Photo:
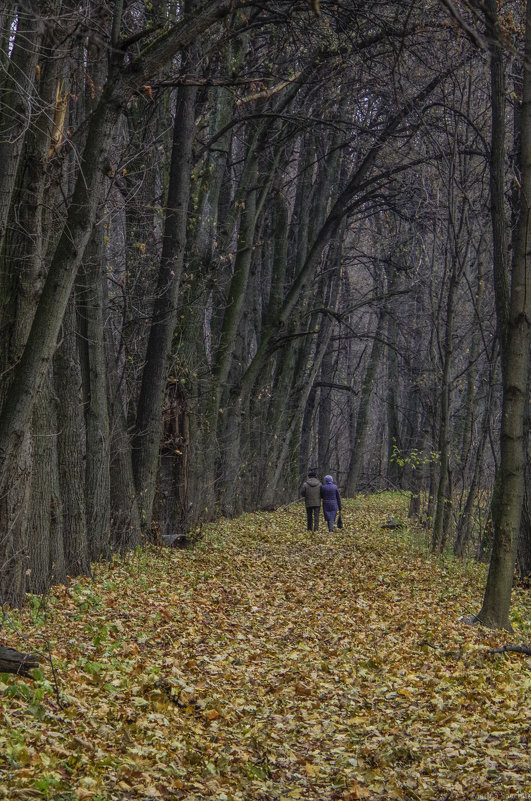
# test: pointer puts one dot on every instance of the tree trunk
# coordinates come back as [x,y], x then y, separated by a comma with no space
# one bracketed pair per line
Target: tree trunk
[22,274]
[306,455]
[148,425]
[325,414]
[292,430]
[363,416]
[439,535]
[497,171]
[524,547]
[45,510]
[71,446]
[91,299]
[224,355]
[515,367]
[394,471]
[125,516]
[15,101]
[465,521]
[40,346]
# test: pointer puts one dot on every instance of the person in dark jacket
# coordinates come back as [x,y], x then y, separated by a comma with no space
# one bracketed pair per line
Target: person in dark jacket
[311,491]
[331,501]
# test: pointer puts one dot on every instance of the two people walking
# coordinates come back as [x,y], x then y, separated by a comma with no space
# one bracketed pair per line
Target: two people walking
[313,492]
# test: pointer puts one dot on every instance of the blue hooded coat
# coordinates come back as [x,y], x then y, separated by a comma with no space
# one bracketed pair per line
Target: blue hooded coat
[331,499]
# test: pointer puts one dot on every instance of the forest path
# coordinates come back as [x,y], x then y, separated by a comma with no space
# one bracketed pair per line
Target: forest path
[271,663]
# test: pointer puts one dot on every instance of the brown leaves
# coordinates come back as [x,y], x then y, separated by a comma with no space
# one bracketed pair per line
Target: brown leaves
[267,664]
[356,792]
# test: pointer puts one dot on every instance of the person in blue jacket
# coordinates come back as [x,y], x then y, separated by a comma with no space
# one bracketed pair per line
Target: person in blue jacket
[331,501]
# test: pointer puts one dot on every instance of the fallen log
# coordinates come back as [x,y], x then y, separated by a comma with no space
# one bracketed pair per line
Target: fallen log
[12,661]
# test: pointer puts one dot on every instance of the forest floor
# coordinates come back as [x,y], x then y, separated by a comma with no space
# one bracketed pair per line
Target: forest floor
[268,663]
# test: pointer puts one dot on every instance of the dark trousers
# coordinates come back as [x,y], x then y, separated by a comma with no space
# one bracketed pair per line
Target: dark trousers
[312,515]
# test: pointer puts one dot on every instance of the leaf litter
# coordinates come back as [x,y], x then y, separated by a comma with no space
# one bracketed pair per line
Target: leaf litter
[270,663]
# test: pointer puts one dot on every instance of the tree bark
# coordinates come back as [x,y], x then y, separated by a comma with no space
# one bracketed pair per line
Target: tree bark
[71,446]
[515,368]
[15,104]
[40,346]
[13,661]
[91,298]
[442,499]
[524,546]
[22,269]
[394,470]
[148,425]
[125,523]
[325,414]
[45,509]
[362,419]
[465,521]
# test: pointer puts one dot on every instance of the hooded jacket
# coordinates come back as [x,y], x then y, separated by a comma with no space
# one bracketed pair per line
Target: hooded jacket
[331,499]
[311,490]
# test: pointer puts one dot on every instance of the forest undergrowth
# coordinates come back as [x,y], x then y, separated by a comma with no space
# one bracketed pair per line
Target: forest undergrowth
[269,663]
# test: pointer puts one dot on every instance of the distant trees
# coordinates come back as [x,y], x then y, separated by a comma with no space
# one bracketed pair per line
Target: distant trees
[238,240]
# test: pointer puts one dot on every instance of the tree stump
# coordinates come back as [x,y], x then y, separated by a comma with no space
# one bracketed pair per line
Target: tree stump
[175,540]
[12,661]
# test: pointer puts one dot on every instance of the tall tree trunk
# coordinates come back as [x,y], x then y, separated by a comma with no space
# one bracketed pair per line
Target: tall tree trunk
[292,430]
[125,515]
[71,446]
[415,434]
[515,368]
[363,416]
[148,425]
[497,171]
[40,345]
[442,499]
[193,353]
[305,452]
[325,414]
[223,359]
[465,521]
[91,298]
[15,101]
[45,508]
[393,426]
[22,274]
[524,547]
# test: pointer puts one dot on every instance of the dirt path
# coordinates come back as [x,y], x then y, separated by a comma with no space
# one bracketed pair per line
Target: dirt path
[268,663]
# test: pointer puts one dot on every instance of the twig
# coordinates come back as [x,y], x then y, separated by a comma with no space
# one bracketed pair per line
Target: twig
[517,649]
[49,658]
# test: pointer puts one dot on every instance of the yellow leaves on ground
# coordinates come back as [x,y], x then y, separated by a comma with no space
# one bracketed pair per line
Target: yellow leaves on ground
[270,664]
